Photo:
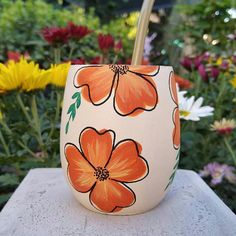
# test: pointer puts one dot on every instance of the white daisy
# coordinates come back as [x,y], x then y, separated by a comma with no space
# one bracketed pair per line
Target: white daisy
[192,110]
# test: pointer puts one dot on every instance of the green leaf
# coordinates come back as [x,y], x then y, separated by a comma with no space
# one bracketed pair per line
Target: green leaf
[9,180]
[71,108]
[78,101]
[4,198]
[75,95]
[73,113]
[67,127]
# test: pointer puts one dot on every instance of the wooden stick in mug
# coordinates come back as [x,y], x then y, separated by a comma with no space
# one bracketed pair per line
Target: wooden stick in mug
[141,31]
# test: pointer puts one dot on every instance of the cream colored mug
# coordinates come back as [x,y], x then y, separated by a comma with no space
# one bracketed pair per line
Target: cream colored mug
[120,136]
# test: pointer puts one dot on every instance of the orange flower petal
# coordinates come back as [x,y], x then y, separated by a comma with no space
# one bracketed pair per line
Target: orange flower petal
[183,83]
[80,172]
[176,131]
[173,88]
[126,165]
[134,94]
[145,70]
[96,83]
[97,146]
[109,195]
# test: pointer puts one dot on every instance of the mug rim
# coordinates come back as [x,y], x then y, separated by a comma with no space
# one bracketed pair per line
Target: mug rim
[76,64]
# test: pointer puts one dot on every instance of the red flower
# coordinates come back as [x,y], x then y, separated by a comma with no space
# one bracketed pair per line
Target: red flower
[105,42]
[15,56]
[77,31]
[78,61]
[183,83]
[104,168]
[186,62]
[56,35]
[118,46]
[95,60]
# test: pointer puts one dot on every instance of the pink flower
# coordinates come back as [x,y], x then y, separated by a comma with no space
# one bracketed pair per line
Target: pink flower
[202,72]
[186,62]
[218,172]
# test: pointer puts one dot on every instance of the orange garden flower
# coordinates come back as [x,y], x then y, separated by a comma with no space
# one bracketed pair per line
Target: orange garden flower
[134,88]
[183,83]
[102,168]
[175,115]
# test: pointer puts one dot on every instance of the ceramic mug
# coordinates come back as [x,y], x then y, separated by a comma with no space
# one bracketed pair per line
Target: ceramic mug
[120,136]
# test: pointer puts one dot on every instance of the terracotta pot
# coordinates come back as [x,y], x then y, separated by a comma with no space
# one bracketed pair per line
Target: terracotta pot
[120,136]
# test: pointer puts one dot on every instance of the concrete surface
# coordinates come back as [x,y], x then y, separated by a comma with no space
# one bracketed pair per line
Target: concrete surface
[44,206]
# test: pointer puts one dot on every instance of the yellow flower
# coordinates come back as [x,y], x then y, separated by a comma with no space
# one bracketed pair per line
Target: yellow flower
[132,21]
[233,82]
[37,80]
[223,126]
[22,75]
[59,74]
[219,61]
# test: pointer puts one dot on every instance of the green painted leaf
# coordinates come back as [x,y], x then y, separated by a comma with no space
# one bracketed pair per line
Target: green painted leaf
[78,101]
[71,108]
[67,127]
[73,113]
[75,95]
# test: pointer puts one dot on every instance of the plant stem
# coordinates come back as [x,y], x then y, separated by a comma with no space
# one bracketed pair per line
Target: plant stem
[57,55]
[72,48]
[56,115]
[4,144]
[227,144]
[198,85]
[27,149]
[115,59]
[22,106]
[37,127]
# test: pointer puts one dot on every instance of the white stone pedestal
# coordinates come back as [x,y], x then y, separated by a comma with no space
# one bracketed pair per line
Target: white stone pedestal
[44,206]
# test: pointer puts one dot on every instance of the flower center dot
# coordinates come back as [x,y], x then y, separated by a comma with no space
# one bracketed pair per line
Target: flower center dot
[121,69]
[101,173]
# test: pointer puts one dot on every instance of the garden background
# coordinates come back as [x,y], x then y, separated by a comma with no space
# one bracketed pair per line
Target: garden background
[40,39]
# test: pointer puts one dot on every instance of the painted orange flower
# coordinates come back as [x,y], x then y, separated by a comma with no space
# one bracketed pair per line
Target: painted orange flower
[134,88]
[102,168]
[175,114]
